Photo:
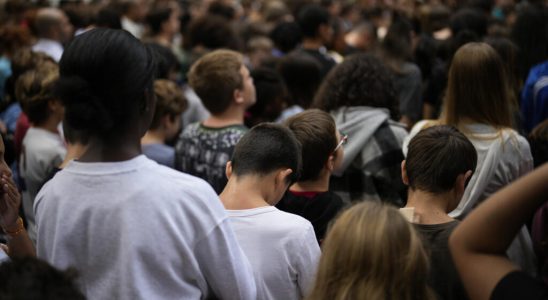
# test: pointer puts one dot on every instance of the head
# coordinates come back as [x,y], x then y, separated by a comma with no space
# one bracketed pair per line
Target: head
[35,91]
[53,23]
[31,278]
[302,75]
[221,80]
[271,153]
[170,104]
[372,252]
[286,36]
[477,88]
[164,19]
[317,133]
[167,64]
[105,84]
[361,80]
[469,19]
[271,91]
[440,160]
[212,32]
[314,22]
[396,45]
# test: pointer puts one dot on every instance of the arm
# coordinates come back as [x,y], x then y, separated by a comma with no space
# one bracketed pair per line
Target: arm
[479,243]
[19,242]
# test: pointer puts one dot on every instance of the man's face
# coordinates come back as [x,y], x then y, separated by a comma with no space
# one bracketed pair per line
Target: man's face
[248,87]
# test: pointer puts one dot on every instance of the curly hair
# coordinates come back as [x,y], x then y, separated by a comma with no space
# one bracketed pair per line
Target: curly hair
[361,80]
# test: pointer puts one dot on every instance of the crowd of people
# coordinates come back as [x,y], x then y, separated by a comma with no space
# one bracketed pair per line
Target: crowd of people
[274,149]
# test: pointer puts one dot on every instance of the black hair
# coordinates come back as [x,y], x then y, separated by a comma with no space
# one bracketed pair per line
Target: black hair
[311,17]
[106,76]
[266,148]
[108,18]
[302,75]
[212,32]
[437,156]
[166,61]
[286,36]
[31,278]
[157,17]
[270,90]
[469,19]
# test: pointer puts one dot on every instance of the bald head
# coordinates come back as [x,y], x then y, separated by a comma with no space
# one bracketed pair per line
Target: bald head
[52,23]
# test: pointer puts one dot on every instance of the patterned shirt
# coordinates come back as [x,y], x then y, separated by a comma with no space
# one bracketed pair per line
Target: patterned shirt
[204,151]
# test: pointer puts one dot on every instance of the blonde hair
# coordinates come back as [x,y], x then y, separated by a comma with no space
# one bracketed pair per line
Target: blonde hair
[170,100]
[371,252]
[477,89]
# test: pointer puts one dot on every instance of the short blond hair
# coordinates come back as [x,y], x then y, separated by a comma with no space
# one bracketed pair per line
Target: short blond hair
[35,88]
[169,101]
[215,76]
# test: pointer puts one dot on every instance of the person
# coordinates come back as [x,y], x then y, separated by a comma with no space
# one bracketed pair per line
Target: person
[481,110]
[224,85]
[360,96]
[54,29]
[43,147]
[270,93]
[534,97]
[372,252]
[164,24]
[281,247]
[132,228]
[166,123]
[322,152]
[134,13]
[440,161]
[313,20]
[479,243]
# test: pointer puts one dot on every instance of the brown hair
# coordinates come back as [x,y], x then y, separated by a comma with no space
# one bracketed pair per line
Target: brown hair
[215,76]
[35,88]
[437,156]
[316,131]
[477,88]
[169,101]
[372,252]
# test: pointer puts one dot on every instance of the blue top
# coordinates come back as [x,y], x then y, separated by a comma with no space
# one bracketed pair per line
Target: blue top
[534,97]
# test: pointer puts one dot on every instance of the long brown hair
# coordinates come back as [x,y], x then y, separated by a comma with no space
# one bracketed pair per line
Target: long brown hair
[372,252]
[477,88]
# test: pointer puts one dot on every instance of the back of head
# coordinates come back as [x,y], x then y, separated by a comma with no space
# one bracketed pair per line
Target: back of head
[310,18]
[157,16]
[361,80]
[35,88]
[30,278]
[47,19]
[372,252]
[170,101]
[215,76]
[302,75]
[286,36]
[469,19]
[437,156]
[477,88]
[266,148]
[396,45]
[105,82]
[270,90]
[316,131]
[166,62]
[212,32]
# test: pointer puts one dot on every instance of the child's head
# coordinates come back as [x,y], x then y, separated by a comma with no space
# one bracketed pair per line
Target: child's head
[170,104]
[221,80]
[439,159]
[105,83]
[372,252]
[268,150]
[35,91]
[317,133]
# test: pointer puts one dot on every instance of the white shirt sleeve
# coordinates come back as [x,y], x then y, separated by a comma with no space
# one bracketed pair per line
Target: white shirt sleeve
[224,265]
[307,256]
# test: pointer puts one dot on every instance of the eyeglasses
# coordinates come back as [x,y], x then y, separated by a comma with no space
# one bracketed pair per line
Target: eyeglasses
[344,139]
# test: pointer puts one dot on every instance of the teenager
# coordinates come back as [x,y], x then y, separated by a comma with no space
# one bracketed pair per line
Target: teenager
[439,163]
[281,247]
[131,227]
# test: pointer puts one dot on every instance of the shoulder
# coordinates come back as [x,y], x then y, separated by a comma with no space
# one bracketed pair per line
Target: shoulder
[519,285]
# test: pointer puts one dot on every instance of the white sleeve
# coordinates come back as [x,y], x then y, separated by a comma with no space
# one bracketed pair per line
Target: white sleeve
[224,265]
[307,257]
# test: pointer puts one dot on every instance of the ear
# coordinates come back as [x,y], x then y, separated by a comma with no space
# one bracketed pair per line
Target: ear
[54,105]
[239,96]
[330,164]
[281,177]
[404,177]
[228,169]
[460,183]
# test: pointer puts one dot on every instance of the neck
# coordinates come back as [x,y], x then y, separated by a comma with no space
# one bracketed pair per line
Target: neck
[74,151]
[232,116]
[119,149]
[233,198]
[430,208]
[50,125]
[312,44]
[153,136]
[164,39]
[319,185]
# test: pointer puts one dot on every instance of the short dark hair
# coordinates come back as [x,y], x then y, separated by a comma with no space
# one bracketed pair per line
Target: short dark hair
[213,32]
[267,147]
[437,156]
[286,36]
[316,131]
[361,80]
[166,61]
[158,16]
[215,76]
[31,278]
[311,17]
[271,92]
[302,75]
[106,76]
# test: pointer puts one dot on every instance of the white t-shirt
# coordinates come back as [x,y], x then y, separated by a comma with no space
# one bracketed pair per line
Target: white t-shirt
[50,47]
[281,248]
[139,230]
[42,152]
